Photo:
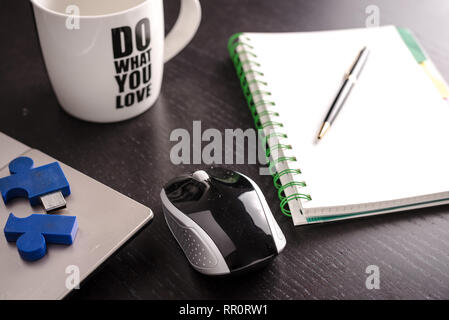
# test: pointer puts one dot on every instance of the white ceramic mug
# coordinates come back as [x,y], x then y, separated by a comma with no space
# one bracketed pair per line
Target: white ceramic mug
[105,58]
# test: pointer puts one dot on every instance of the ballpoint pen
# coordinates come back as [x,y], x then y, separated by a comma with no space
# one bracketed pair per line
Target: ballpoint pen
[349,81]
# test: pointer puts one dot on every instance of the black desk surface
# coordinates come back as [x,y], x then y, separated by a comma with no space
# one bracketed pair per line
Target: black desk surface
[411,249]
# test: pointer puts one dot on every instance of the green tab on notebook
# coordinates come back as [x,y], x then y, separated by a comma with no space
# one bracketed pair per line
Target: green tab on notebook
[422,59]
[411,43]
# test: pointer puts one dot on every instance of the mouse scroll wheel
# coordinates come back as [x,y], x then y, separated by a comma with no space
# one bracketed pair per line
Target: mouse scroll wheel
[200,175]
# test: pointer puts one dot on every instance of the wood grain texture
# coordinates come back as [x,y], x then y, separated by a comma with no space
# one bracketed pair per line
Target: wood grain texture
[320,261]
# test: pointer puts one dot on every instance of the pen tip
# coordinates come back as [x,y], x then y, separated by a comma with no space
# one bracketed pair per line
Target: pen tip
[324,127]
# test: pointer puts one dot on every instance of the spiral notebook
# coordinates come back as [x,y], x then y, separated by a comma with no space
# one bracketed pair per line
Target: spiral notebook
[387,150]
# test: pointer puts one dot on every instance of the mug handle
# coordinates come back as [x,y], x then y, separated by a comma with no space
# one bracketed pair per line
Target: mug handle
[184,29]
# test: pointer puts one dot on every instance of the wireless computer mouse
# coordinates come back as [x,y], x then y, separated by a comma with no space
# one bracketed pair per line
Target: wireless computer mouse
[222,221]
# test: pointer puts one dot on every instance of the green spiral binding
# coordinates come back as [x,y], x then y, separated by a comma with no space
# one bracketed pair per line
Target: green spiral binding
[291,197]
[279,174]
[277,146]
[239,40]
[262,114]
[273,163]
[288,185]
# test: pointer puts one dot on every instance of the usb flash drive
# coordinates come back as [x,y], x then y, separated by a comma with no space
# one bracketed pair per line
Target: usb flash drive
[46,184]
[53,201]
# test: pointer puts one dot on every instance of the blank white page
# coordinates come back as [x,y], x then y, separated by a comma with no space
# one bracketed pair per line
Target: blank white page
[390,139]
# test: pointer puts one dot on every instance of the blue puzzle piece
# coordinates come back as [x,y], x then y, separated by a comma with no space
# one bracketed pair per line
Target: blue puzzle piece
[32,183]
[33,232]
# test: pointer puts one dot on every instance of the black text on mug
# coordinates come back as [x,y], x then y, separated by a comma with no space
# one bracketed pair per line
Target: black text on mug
[133,71]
